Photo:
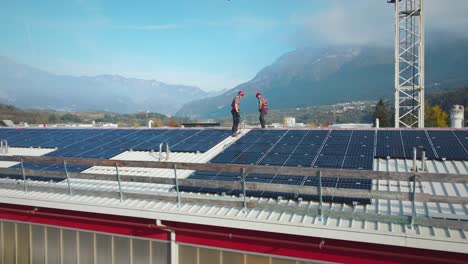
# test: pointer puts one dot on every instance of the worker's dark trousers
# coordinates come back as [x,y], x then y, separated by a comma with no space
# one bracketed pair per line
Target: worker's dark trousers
[235,121]
[262,117]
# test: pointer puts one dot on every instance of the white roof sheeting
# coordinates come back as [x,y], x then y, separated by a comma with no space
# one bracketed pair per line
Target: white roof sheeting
[13,151]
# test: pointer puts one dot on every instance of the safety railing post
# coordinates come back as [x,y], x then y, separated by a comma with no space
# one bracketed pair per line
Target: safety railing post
[423,161]
[119,182]
[167,151]
[244,192]
[320,209]
[24,177]
[160,151]
[68,178]
[413,202]
[177,185]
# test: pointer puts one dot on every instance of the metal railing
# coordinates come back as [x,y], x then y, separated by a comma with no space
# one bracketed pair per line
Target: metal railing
[167,150]
[3,146]
[411,178]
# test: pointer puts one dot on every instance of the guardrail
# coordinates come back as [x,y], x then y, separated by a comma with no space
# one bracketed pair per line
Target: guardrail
[412,179]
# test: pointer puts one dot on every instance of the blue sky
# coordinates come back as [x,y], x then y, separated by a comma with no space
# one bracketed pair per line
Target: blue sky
[214,44]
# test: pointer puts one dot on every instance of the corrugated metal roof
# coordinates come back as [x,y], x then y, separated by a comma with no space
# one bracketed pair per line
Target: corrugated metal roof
[14,151]
[270,219]
[432,166]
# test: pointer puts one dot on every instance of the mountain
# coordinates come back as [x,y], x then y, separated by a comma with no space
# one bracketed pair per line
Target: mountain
[313,76]
[28,87]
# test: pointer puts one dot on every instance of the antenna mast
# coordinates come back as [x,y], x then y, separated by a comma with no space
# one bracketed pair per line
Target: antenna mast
[409,63]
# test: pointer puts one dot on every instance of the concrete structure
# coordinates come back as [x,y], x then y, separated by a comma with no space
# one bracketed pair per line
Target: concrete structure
[457,116]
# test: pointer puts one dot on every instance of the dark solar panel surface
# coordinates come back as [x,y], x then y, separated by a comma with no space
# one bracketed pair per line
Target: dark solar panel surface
[338,149]
[107,143]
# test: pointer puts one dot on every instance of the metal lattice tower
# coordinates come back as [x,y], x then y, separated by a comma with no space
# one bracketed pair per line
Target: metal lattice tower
[409,63]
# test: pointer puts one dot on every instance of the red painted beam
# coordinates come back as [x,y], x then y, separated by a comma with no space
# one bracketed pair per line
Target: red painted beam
[230,238]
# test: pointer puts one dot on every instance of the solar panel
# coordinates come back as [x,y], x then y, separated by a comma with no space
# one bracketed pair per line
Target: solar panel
[329,161]
[284,148]
[306,149]
[300,160]
[358,162]
[259,148]
[248,158]
[333,150]
[360,150]
[274,159]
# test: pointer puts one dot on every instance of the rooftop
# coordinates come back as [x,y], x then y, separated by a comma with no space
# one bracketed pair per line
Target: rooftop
[381,207]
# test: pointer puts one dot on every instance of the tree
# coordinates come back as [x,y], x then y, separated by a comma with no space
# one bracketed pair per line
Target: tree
[70,118]
[158,122]
[435,117]
[382,114]
[52,119]
[172,123]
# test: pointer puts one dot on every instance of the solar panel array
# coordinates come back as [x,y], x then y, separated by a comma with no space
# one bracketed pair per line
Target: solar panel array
[107,143]
[339,149]
[305,148]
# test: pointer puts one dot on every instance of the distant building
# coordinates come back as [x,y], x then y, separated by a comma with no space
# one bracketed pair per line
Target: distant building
[350,125]
[289,121]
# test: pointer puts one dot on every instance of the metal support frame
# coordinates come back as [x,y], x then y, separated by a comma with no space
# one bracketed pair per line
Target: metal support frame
[24,178]
[177,185]
[119,182]
[244,192]
[320,209]
[3,146]
[68,178]
[409,63]
[413,202]
[423,161]
[167,150]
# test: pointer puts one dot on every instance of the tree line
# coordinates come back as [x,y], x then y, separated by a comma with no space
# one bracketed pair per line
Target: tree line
[47,117]
[436,111]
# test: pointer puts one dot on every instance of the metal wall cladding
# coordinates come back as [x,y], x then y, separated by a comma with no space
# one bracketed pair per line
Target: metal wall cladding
[86,247]
[53,249]
[190,254]
[9,250]
[28,243]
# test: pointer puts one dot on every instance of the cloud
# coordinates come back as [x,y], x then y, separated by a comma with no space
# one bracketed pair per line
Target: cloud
[150,27]
[372,22]
[447,16]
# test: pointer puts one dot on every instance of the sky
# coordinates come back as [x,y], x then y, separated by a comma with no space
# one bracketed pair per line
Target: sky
[212,44]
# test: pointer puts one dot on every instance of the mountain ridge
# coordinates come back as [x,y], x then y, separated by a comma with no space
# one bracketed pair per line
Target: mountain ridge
[29,87]
[312,76]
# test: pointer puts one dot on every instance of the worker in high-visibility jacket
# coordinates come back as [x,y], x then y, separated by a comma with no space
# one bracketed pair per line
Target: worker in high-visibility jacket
[262,108]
